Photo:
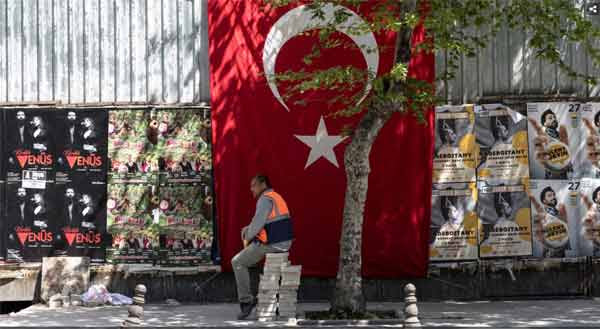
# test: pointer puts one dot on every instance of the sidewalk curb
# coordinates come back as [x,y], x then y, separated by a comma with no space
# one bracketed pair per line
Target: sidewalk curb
[379,322]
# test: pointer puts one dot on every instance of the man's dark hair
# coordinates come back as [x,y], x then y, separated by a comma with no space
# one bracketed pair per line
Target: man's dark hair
[546,113]
[506,196]
[260,178]
[544,191]
[595,194]
[440,126]
[597,119]
[503,120]
[444,205]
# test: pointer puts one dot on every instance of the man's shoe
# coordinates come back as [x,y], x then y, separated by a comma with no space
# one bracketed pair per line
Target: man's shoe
[246,309]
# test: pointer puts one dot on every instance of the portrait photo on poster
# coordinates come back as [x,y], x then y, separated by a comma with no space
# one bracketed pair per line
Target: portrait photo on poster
[588,159]
[555,217]
[504,213]
[554,140]
[501,134]
[589,217]
[30,222]
[453,222]
[456,151]
[82,143]
[29,141]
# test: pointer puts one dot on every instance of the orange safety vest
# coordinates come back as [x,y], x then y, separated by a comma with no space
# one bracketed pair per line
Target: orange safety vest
[278,227]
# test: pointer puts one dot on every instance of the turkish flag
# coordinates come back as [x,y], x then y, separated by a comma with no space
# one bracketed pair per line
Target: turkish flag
[295,141]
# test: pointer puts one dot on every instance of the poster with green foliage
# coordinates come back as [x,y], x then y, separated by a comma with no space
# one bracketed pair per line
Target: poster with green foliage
[181,144]
[131,147]
[185,217]
[129,220]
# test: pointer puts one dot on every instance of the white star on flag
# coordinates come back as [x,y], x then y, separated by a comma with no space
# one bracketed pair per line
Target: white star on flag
[321,145]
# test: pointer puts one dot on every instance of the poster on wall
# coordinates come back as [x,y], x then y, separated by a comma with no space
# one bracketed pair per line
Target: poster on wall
[554,214]
[501,134]
[453,222]
[504,214]
[589,215]
[131,147]
[3,224]
[456,150]
[588,160]
[554,140]
[186,220]
[129,220]
[81,218]
[30,222]
[182,144]
[81,143]
[29,143]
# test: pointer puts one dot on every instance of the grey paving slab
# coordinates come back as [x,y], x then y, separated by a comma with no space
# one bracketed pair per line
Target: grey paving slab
[546,313]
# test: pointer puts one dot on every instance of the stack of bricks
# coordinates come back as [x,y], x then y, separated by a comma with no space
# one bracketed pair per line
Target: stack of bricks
[268,287]
[278,289]
[288,291]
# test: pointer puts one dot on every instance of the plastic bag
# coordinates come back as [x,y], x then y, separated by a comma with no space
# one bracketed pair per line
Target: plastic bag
[96,295]
[118,299]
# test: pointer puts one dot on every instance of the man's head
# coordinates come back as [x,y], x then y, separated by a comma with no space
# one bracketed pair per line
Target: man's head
[597,119]
[21,193]
[549,119]
[500,128]
[259,184]
[20,115]
[71,116]
[596,196]
[446,131]
[548,197]
[70,193]
[502,203]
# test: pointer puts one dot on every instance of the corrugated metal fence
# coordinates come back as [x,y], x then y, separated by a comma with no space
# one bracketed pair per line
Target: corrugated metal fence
[508,68]
[156,51]
[91,51]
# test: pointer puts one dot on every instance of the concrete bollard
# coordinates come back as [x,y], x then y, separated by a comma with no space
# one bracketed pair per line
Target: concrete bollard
[136,311]
[411,312]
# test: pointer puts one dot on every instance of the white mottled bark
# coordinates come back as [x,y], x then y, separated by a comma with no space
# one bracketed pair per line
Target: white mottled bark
[348,296]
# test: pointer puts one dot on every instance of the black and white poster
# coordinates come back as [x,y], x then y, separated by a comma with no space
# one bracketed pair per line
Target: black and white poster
[555,217]
[504,212]
[502,138]
[81,218]
[81,143]
[456,151]
[29,142]
[31,222]
[453,222]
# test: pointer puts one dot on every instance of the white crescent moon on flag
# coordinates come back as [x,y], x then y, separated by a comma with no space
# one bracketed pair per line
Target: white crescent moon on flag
[299,20]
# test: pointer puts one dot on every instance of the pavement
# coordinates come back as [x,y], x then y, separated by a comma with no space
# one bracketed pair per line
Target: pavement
[502,314]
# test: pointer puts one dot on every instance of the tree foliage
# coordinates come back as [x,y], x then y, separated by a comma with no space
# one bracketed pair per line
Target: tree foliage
[457,27]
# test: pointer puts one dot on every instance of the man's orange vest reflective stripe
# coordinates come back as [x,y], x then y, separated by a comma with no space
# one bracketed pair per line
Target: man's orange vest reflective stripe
[278,227]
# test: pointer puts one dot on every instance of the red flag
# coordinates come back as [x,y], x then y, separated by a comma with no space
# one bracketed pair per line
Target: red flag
[256,129]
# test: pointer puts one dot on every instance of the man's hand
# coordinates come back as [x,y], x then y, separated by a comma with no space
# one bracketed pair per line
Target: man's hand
[591,142]
[540,215]
[542,140]
[589,219]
